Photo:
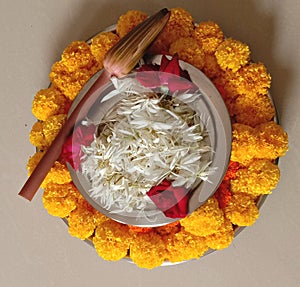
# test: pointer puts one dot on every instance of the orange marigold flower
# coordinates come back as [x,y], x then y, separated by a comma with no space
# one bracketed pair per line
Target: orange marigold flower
[101,44]
[205,220]
[59,173]
[211,67]
[173,227]
[77,56]
[52,126]
[244,143]
[232,54]
[273,140]
[69,83]
[209,35]
[37,137]
[253,111]
[128,21]
[223,194]
[147,250]
[259,177]
[140,229]
[189,51]
[222,238]
[82,220]
[184,246]
[242,210]
[251,80]
[49,102]
[232,170]
[60,199]
[180,25]
[111,240]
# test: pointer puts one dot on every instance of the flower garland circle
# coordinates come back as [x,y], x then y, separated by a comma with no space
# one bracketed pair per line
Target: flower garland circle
[257,141]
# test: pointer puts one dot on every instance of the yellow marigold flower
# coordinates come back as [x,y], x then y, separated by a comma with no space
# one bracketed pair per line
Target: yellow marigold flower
[189,51]
[60,199]
[52,126]
[33,161]
[209,35]
[128,21]
[253,111]
[101,44]
[273,140]
[69,83]
[59,173]
[205,220]
[259,177]
[242,210]
[49,102]
[222,238]
[77,56]
[211,67]
[37,137]
[180,25]
[244,143]
[82,220]
[147,250]
[232,54]
[251,80]
[111,240]
[184,246]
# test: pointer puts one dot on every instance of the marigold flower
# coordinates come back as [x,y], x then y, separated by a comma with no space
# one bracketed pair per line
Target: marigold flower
[242,210]
[253,111]
[60,199]
[111,240]
[184,246]
[222,238]
[223,194]
[259,177]
[82,220]
[147,250]
[211,67]
[77,56]
[52,126]
[59,173]
[244,143]
[209,35]
[37,137]
[69,83]
[101,44]
[251,80]
[205,220]
[49,102]
[189,51]
[140,229]
[128,21]
[180,25]
[232,170]
[273,140]
[170,228]
[232,54]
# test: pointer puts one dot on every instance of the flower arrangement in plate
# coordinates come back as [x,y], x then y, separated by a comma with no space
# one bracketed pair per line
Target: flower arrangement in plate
[152,144]
[161,144]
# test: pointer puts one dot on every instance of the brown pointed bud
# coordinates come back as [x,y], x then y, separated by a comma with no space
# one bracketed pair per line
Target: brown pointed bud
[124,56]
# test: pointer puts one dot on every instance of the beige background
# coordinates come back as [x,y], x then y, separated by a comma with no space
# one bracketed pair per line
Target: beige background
[36,249]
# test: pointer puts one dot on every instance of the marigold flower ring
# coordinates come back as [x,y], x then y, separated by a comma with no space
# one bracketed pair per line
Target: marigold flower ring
[154,147]
[144,176]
